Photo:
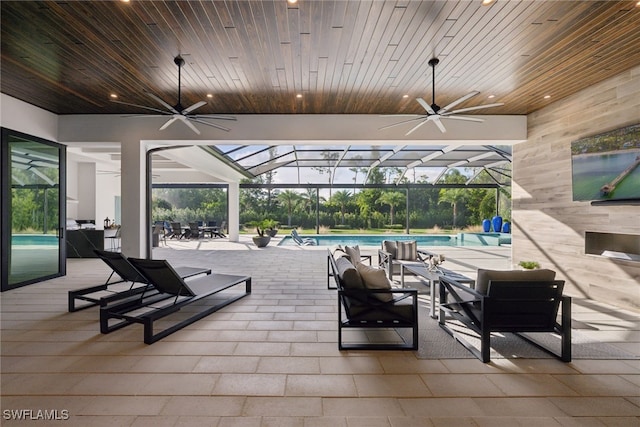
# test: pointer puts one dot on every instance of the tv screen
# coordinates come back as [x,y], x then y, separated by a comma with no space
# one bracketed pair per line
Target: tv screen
[607,166]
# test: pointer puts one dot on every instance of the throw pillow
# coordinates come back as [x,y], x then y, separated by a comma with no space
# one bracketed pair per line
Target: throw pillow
[407,251]
[390,247]
[350,277]
[353,253]
[375,278]
[485,276]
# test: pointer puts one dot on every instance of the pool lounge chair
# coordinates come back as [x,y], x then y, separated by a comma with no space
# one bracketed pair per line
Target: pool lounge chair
[131,282]
[172,293]
[300,241]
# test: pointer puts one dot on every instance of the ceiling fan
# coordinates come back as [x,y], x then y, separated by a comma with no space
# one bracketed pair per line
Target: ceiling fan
[435,113]
[178,112]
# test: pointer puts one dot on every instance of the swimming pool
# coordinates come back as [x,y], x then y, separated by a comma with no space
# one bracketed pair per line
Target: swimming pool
[39,240]
[460,239]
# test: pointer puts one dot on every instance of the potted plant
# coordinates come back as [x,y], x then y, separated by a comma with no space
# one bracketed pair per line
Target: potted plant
[263,229]
[529,265]
[270,227]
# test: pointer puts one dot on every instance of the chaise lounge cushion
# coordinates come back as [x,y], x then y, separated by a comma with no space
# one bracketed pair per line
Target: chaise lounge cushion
[375,278]
[485,276]
[349,275]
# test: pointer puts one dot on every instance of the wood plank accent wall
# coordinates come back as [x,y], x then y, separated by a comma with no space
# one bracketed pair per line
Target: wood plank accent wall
[547,225]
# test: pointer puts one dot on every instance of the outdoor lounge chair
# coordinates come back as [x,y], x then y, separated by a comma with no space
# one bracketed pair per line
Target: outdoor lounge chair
[170,294]
[371,308]
[300,241]
[508,306]
[394,253]
[131,282]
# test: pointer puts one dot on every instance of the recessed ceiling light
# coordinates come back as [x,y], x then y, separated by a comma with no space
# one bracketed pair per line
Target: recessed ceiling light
[491,96]
[209,95]
[292,1]
[638,4]
[113,96]
[299,96]
[124,1]
[547,96]
[405,96]
[487,2]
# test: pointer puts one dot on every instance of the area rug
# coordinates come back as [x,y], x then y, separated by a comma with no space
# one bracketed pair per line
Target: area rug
[435,343]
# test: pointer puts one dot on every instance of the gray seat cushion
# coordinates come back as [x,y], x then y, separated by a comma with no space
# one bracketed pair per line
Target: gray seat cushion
[485,276]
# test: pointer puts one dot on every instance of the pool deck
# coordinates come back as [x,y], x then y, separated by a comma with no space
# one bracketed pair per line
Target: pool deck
[271,359]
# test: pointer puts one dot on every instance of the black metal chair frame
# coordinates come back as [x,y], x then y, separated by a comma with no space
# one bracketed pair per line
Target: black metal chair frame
[366,298]
[170,294]
[120,266]
[509,306]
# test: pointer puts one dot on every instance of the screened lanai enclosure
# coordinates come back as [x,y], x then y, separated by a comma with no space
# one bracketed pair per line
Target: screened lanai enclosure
[354,187]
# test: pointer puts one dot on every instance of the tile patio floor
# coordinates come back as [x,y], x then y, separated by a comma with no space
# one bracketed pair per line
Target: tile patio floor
[271,359]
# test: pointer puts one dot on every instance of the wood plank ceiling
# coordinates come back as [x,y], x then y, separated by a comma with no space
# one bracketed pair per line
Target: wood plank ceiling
[342,57]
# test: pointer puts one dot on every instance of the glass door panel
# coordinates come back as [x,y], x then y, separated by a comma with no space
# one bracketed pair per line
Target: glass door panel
[32,192]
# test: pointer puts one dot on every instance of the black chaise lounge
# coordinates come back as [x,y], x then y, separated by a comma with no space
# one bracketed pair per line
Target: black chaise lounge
[171,294]
[508,306]
[131,282]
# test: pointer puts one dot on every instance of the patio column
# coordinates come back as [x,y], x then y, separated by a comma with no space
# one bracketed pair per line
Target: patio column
[234,211]
[133,193]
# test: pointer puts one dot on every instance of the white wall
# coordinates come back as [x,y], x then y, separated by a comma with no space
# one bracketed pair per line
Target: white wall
[23,117]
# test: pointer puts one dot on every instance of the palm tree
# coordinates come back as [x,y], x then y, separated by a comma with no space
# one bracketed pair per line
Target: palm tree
[452,196]
[393,199]
[290,199]
[341,198]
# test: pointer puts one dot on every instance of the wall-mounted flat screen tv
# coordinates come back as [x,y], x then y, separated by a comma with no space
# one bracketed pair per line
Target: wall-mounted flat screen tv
[607,166]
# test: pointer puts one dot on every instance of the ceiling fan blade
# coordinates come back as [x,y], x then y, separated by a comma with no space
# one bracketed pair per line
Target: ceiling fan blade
[187,122]
[468,119]
[413,129]
[403,122]
[212,116]
[209,124]
[479,107]
[458,101]
[167,106]
[438,123]
[193,107]
[425,105]
[169,122]
[140,106]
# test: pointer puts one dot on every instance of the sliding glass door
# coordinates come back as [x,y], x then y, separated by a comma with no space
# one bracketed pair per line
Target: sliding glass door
[33,209]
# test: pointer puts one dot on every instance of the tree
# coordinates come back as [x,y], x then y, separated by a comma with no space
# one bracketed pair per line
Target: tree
[393,199]
[290,199]
[453,196]
[341,199]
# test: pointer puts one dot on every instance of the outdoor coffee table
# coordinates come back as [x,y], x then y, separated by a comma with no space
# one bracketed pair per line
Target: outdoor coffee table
[432,277]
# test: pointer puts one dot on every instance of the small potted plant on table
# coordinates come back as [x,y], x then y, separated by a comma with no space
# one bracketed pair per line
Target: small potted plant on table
[264,229]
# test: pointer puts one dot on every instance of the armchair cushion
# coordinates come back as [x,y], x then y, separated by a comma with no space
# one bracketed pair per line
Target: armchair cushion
[390,247]
[485,276]
[353,253]
[407,251]
[350,277]
[375,278]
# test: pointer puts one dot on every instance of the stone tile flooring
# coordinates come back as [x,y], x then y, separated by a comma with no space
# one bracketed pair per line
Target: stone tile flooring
[271,359]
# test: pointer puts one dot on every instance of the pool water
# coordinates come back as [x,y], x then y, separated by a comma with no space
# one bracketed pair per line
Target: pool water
[34,240]
[460,239]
